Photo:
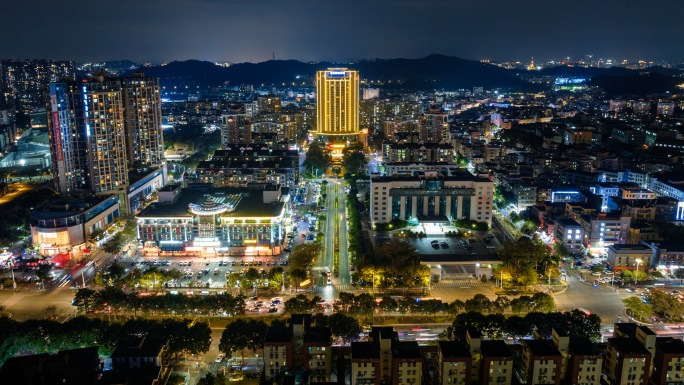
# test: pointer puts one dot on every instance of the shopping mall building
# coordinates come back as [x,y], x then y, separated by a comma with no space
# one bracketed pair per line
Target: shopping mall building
[204,220]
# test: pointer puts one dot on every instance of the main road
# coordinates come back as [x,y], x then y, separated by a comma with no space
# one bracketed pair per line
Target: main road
[335,240]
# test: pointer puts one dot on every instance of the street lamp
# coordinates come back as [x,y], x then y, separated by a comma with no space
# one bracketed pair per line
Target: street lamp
[636,275]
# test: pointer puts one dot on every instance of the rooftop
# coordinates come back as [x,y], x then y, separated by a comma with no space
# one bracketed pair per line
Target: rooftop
[278,335]
[628,345]
[406,349]
[669,345]
[364,350]
[138,347]
[453,349]
[541,348]
[495,348]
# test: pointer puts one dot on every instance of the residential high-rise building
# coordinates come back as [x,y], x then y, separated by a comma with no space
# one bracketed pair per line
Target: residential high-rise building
[23,82]
[102,127]
[87,135]
[337,93]
[142,120]
[236,129]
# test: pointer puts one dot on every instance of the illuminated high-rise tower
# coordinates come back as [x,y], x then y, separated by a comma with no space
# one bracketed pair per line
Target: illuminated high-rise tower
[87,136]
[337,94]
[142,121]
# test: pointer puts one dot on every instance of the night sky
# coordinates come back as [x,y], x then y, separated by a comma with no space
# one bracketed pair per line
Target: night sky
[252,30]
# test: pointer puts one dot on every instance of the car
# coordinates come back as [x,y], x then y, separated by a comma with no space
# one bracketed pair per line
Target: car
[490,247]
[434,242]
[219,358]
[272,309]
[435,245]
[444,244]
[676,292]
[596,273]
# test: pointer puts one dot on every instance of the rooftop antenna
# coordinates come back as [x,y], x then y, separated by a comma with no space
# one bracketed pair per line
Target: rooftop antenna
[273,55]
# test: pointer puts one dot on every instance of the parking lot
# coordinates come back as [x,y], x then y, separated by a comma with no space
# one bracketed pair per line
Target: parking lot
[206,272]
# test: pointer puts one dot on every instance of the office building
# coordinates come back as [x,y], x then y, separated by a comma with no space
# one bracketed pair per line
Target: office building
[337,97]
[431,198]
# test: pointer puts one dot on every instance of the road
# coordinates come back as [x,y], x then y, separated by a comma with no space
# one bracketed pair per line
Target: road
[335,240]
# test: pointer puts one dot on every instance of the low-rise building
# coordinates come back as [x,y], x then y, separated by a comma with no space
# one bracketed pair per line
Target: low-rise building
[626,257]
[569,233]
[278,351]
[541,362]
[454,363]
[71,367]
[626,362]
[496,363]
[140,359]
[65,227]
[365,363]
[668,362]
[407,363]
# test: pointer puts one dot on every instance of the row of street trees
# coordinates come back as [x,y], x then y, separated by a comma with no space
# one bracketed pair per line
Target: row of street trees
[366,306]
[114,301]
[45,336]
[496,325]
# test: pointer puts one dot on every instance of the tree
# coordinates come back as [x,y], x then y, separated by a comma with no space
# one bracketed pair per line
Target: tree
[252,275]
[235,338]
[211,379]
[275,277]
[317,158]
[353,159]
[303,255]
[344,327]
[388,305]
[297,275]
[479,303]
[522,304]
[84,299]
[198,338]
[43,271]
[517,327]
[456,307]
[639,309]
[666,304]
[299,304]
[543,302]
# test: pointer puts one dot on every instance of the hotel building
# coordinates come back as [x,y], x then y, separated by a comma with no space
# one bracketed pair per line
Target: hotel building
[337,93]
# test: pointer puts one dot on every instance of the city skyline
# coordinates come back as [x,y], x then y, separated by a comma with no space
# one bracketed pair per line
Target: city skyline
[226,30]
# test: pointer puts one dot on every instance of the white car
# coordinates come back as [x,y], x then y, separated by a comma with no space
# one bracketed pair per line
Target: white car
[219,358]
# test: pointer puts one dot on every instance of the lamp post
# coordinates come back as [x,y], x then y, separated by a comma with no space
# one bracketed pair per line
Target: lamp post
[636,274]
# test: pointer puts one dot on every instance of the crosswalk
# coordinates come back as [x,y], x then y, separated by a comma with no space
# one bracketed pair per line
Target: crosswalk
[465,283]
[336,287]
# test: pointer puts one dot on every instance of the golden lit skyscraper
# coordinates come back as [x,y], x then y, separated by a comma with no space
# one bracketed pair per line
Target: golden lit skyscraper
[337,93]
